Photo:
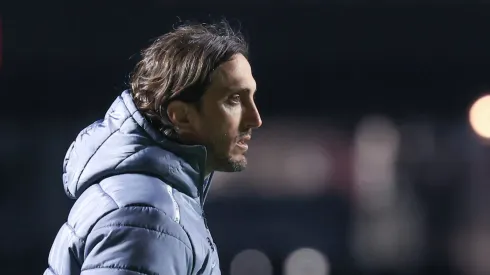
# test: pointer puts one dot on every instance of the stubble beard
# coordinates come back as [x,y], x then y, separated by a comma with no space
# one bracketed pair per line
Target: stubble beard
[223,162]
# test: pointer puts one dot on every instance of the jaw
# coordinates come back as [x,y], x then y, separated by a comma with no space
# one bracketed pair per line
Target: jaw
[230,163]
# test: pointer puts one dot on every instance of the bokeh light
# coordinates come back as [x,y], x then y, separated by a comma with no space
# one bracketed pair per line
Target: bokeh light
[479,116]
[251,261]
[306,261]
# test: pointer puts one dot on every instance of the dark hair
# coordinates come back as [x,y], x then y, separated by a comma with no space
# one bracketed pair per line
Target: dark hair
[178,66]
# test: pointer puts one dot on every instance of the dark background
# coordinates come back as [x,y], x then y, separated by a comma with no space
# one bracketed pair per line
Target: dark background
[64,62]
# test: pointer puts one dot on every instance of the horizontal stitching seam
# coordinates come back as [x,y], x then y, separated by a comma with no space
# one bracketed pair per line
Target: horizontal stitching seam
[119,268]
[142,227]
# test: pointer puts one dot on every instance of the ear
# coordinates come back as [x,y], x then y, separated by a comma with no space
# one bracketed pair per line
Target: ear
[180,114]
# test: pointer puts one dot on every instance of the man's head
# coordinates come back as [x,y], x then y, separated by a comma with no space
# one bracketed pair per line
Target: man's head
[196,85]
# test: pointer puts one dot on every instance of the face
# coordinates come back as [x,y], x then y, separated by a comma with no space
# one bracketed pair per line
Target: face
[227,115]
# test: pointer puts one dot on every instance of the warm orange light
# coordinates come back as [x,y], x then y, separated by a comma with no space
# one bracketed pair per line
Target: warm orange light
[480,116]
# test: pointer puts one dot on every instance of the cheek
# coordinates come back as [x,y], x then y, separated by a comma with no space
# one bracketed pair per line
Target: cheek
[225,133]
[231,123]
[222,127]
[212,132]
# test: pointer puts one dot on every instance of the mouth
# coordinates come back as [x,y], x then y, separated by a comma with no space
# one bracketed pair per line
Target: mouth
[242,142]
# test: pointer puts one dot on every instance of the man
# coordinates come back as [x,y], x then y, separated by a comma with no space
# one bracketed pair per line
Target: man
[141,175]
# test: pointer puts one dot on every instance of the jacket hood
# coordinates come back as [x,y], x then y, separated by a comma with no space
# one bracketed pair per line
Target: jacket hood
[124,142]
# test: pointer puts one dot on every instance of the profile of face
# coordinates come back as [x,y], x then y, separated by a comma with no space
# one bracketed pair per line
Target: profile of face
[226,116]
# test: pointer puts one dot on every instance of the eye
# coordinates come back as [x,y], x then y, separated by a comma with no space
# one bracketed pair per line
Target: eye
[234,99]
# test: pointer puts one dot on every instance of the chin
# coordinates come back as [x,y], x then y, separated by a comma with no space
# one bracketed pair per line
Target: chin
[233,164]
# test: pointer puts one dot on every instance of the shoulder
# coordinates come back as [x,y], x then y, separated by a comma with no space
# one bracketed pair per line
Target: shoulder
[139,189]
[138,238]
[127,200]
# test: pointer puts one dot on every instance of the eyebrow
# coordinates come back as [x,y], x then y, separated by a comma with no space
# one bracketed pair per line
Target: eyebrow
[247,90]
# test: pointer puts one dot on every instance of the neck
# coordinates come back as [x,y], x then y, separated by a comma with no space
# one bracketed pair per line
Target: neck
[189,140]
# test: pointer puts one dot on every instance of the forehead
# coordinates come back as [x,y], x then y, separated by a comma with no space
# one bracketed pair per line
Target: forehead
[235,74]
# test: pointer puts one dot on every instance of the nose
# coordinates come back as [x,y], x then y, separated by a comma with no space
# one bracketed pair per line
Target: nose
[253,119]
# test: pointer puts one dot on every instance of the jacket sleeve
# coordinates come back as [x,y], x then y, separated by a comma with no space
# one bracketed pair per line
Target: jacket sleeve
[137,241]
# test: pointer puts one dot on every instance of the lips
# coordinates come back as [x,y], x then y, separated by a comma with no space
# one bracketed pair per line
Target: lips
[244,139]
[242,142]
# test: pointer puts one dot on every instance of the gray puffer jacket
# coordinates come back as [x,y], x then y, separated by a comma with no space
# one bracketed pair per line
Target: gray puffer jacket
[139,202]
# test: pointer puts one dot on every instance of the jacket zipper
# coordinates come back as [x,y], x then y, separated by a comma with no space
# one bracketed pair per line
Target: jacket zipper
[205,220]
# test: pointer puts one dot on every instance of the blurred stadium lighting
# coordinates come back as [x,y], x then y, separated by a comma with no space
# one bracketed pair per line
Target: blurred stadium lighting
[251,261]
[308,166]
[306,261]
[376,149]
[385,230]
[471,247]
[479,116]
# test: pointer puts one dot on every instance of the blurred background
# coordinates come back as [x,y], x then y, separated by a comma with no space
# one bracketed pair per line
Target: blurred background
[374,156]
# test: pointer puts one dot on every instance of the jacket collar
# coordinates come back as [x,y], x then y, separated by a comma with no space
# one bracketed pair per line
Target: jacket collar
[190,177]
